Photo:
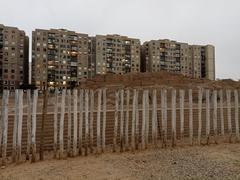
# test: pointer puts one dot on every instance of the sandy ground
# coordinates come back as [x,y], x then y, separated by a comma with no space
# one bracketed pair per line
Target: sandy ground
[198,162]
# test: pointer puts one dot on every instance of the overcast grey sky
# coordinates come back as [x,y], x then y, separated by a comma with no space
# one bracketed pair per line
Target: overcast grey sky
[214,22]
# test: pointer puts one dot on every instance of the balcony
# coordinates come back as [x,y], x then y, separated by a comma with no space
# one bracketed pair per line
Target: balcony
[73,53]
[51,46]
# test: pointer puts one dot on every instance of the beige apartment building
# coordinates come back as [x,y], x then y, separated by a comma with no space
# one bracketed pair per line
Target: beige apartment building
[190,60]
[61,58]
[117,54]
[13,57]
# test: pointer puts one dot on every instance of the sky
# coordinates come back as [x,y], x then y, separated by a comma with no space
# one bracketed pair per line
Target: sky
[215,22]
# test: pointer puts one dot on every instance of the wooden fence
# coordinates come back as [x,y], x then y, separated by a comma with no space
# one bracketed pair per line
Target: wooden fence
[84,121]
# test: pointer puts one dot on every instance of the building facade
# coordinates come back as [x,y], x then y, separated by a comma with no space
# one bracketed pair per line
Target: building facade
[190,60]
[116,54]
[61,58]
[13,57]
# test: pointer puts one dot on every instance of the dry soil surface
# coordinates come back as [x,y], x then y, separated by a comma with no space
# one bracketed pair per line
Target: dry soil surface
[198,162]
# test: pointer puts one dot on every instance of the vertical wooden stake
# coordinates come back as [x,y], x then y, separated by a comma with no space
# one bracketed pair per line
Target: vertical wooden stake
[144,119]
[61,140]
[164,116]
[86,121]
[154,118]
[44,116]
[91,119]
[229,114]
[147,116]
[116,121]
[1,127]
[221,112]
[182,99]
[174,117]
[75,121]
[200,95]
[236,114]
[133,120]
[29,105]
[69,106]
[190,117]
[127,119]
[5,126]
[207,115]
[81,100]
[104,118]
[121,119]
[19,135]
[55,123]
[215,115]
[137,121]
[99,120]
[15,127]
[34,124]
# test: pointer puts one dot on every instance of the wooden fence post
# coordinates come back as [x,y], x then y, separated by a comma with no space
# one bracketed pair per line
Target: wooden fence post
[81,102]
[147,116]
[143,119]
[154,117]
[34,121]
[44,116]
[190,117]
[121,119]
[207,116]
[116,121]
[29,105]
[127,119]
[236,114]
[99,120]
[86,121]
[1,128]
[137,121]
[61,129]
[174,117]
[69,107]
[19,135]
[215,115]
[15,127]
[221,112]
[5,126]
[104,118]
[164,116]
[200,95]
[55,123]
[229,114]
[181,99]
[91,119]
[133,119]
[75,121]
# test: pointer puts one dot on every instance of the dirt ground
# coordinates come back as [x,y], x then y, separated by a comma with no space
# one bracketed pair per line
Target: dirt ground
[198,162]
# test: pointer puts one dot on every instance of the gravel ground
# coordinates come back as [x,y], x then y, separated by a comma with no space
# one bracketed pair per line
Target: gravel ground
[198,162]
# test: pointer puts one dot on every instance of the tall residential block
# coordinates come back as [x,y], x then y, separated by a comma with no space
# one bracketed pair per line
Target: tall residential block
[61,58]
[116,54]
[13,57]
[190,60]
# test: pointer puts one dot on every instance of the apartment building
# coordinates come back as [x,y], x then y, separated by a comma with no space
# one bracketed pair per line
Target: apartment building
[61,58]
[190,60]
[13,57]
[116,54]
